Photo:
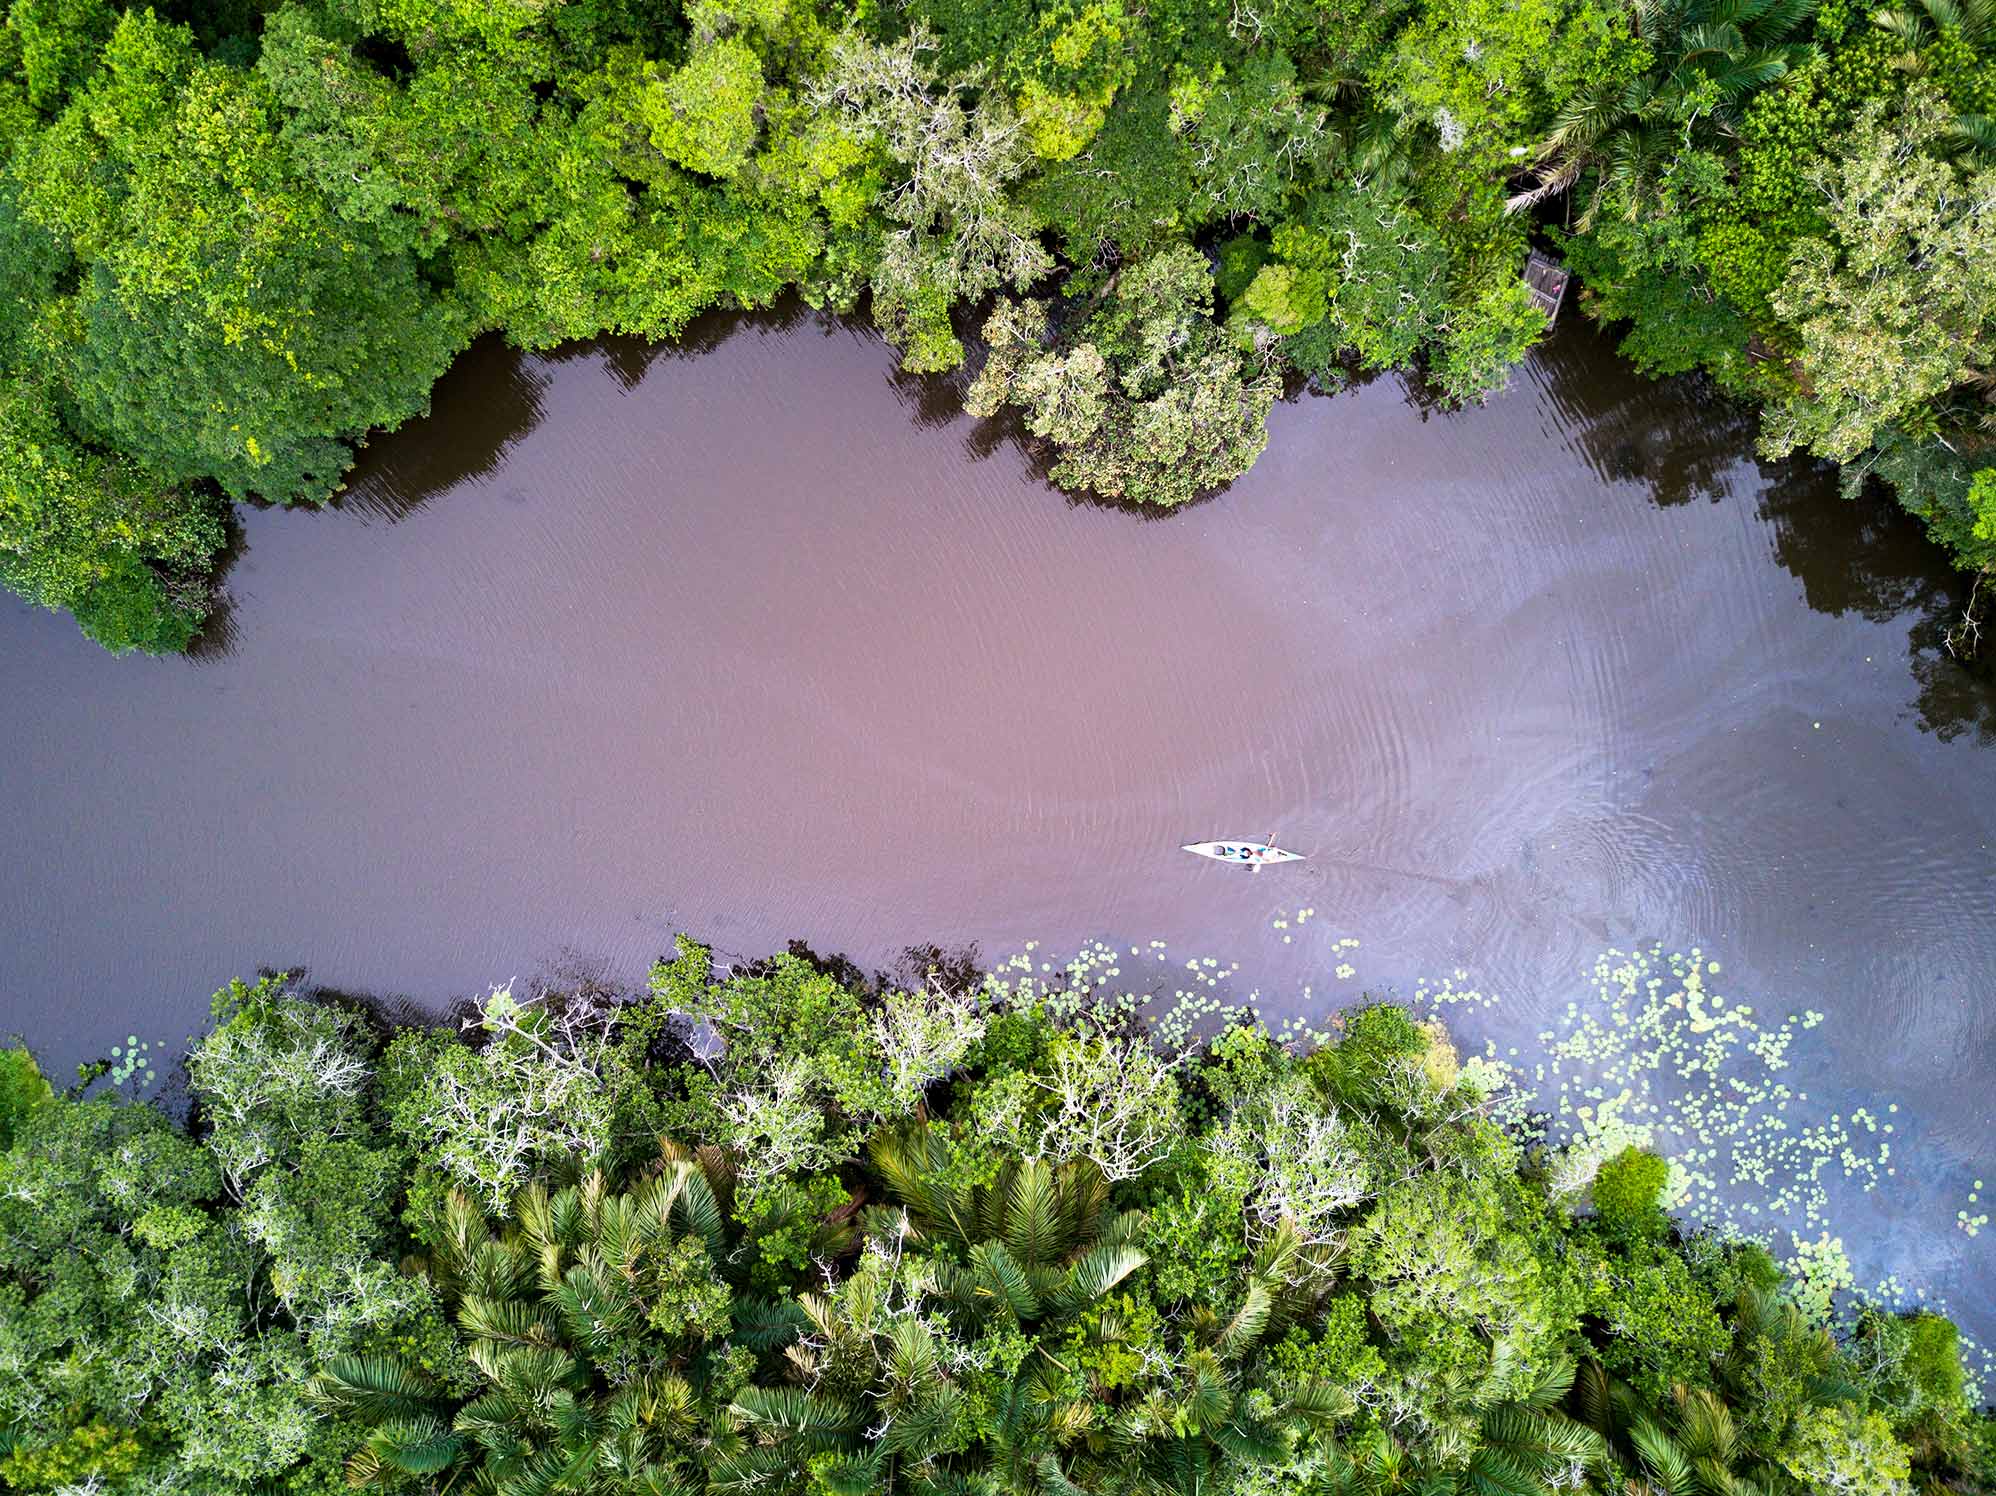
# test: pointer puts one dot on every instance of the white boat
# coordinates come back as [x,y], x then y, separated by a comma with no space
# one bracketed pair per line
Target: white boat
[1243,853]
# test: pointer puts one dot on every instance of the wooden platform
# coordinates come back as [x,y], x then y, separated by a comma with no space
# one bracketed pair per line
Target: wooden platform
[1546,279]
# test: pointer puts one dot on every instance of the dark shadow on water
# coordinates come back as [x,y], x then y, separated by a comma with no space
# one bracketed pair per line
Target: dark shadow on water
[1957,696]
[1682,439]
[569,980]
[487,401]
[1866,556]
[1144,513]
[1862,555]
[384,1013]
[629,359]
[1342,381]
[957,970]
[933,401]
[494,395]
[1677,437]
[217,639]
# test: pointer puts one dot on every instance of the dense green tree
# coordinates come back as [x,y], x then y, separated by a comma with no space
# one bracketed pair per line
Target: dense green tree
[1896,303]
[1039,1254]
[1128,191]
[1361,275]
[239,236]
[1150,401]
[229,328]
[586,1315]
[23,1092]
[1628,1194]
[58,42]
[90,531]
[1704,61]
[953,150]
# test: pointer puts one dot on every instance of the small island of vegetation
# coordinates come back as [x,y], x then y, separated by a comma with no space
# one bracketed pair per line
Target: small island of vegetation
[239,236]
[786,1230]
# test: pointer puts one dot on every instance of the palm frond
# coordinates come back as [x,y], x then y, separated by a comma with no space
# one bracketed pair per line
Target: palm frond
[1541,1440]
[414,1446]
[914,1161]
[698,1210]
[1547,1387]
[1249,1321]
[463,1230]
[815,1421]
[1252,1441]
[567,1220]
[1662,1461]
[1549,184]
[653,1481]
[750,1472]
[1096,1272]
[371,1387]
[534,1375]
[1492,1472]
[998,1282]
[1053,1480]
[1744,75]
[1591,1392]
[1705,1427]
[926,1429]
[1322,1404]
[505,1321]
[592,1308]
[494,1270]
[1783,18]
[1032,1209]
[849,1475]
[1974,134]
[764,1325]
[490,1412]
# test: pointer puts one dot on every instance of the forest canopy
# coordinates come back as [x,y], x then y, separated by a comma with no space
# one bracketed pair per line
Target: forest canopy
[237,237]
[786,1229]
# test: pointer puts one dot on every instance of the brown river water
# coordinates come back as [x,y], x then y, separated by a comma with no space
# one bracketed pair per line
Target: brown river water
[752,639]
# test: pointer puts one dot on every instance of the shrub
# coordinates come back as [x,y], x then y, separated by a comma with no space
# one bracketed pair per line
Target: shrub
[1628,1195]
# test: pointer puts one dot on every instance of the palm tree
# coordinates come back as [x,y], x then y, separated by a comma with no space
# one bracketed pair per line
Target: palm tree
[877,1405]
[584,1312]
[1528,1444]
[1917,25]
[1693,1445]
[1040,1242]
[1780,1362]
[1369,148]
[1527,1447]
[1195,1420]
[1711,57]
[1698,1454]
[1032,1256]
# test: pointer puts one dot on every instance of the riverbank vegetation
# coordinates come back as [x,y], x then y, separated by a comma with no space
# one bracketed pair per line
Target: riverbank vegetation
[781,1229]
[237,236]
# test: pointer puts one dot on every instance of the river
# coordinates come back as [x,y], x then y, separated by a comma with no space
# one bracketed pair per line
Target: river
[753,639]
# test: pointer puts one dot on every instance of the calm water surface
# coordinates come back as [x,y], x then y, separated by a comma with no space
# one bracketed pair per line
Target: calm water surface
[765,644]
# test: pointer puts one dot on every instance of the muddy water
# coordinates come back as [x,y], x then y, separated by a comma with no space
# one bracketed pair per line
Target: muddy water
[764,644]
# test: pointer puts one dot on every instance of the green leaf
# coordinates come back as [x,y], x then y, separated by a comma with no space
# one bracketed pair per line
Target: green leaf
[1096,1272]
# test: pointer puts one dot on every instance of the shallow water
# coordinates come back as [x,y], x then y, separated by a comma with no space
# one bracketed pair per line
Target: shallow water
[764,644]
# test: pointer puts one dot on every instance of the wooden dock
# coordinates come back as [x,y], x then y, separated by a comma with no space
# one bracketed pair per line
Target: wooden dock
[1546,279]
